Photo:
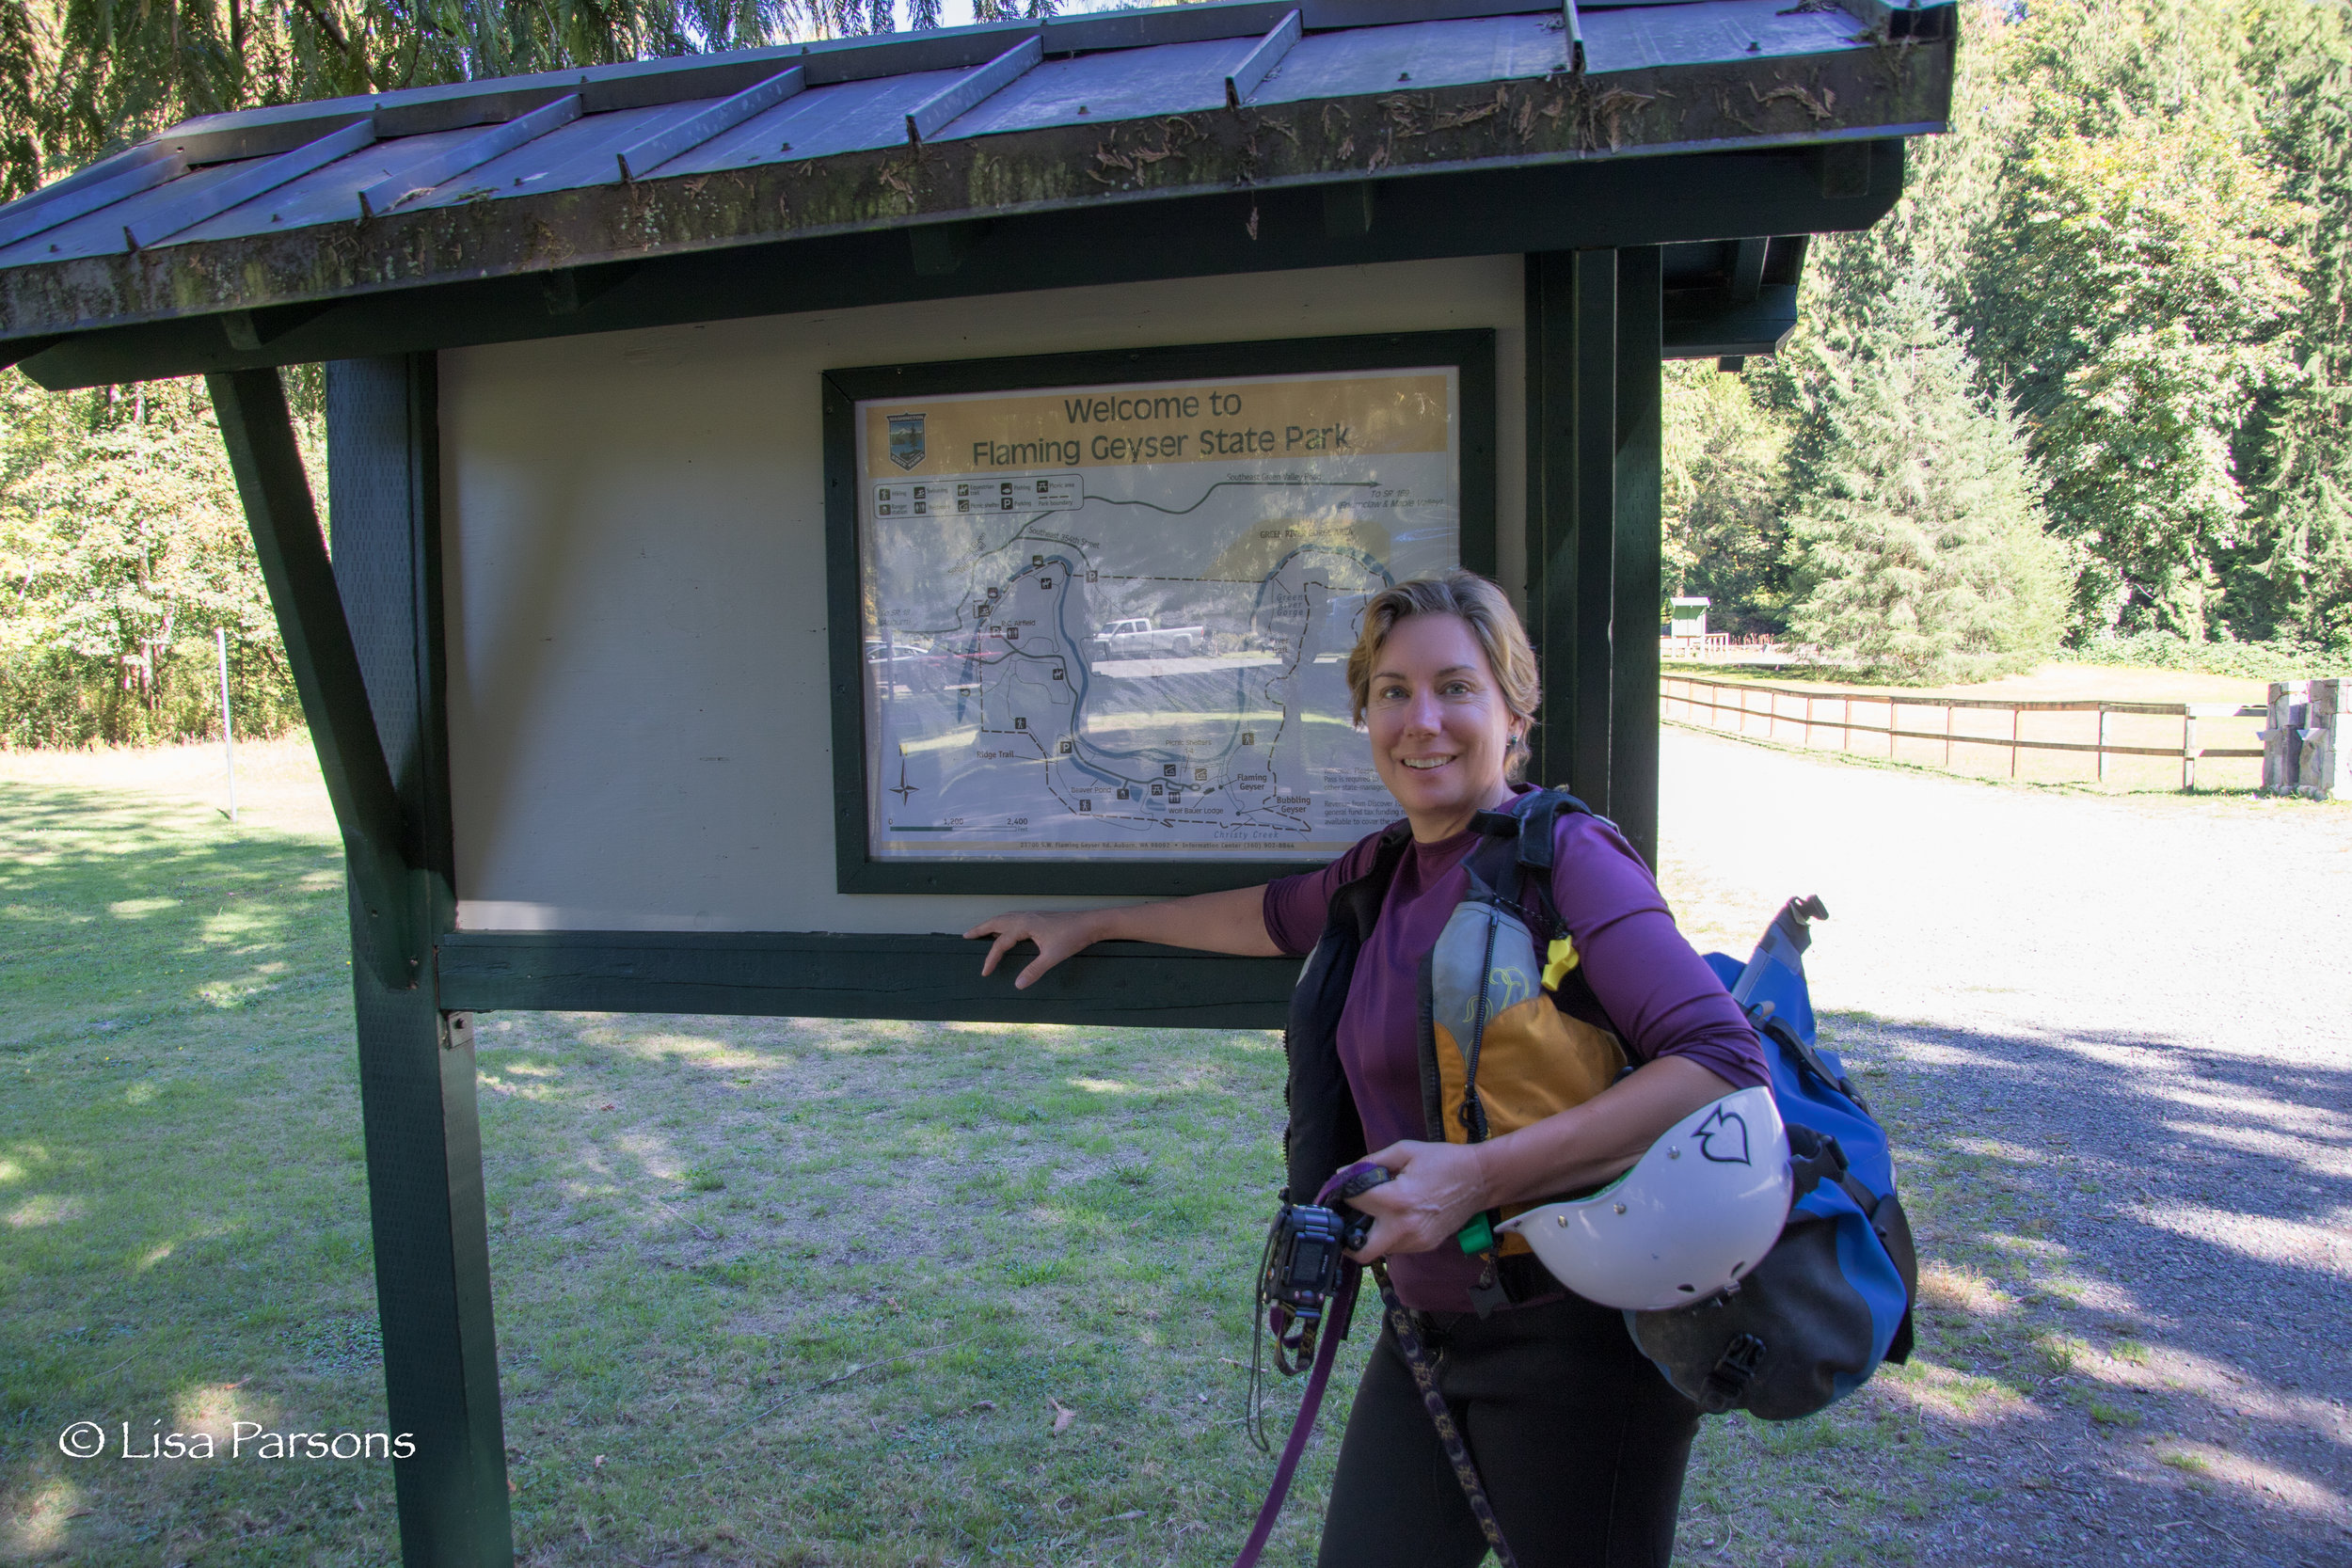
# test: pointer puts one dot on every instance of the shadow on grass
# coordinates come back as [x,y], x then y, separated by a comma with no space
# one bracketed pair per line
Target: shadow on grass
[815,1291]
[116,910]
[181,1191]
[818,1292]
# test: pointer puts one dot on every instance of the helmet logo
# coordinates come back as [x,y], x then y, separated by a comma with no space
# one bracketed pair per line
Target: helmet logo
[1724,1138]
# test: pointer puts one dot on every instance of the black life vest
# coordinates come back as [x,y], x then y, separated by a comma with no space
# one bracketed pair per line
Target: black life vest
[1508,1030]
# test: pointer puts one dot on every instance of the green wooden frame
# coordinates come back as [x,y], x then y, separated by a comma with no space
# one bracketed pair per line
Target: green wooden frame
[417,1076]
[1470,353]
[364,636]
[1594,331]
[783,973]
[1506,212]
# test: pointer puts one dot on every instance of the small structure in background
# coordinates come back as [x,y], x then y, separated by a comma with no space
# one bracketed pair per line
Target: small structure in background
[1685,637]
[2303,749]
[1720,647]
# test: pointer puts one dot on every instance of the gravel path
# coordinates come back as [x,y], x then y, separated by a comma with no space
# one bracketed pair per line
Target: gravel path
[2115,1036]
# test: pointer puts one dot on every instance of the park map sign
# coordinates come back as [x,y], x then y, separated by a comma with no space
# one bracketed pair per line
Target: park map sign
[1113,621]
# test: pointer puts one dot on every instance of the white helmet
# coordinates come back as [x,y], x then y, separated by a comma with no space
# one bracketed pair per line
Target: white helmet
[1694,1214]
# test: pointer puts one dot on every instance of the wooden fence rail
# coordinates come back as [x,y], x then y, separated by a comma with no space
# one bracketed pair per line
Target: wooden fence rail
[1698,693]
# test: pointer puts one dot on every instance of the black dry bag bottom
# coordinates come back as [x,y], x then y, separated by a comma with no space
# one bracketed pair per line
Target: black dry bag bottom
[1780,1345]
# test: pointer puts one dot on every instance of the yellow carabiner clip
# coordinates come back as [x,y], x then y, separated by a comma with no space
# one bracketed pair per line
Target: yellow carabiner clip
[1561,957]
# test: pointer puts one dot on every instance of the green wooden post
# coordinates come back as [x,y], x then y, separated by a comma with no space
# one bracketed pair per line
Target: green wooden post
[1571,504]
[416,1058]
[1634,641]
[363,635]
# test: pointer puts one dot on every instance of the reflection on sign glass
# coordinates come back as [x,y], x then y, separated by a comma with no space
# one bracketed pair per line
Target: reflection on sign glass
[1115,620]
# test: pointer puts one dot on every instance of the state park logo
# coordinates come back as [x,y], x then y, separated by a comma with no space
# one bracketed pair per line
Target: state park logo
[906,439]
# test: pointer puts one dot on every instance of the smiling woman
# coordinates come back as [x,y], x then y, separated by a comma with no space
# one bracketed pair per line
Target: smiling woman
[1540,1053]
[1452,700]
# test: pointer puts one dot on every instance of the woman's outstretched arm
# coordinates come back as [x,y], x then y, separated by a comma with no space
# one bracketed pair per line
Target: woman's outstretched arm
[1229,921]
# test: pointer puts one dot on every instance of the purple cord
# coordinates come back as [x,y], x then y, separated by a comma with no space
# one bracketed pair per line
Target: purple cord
[1325,1353]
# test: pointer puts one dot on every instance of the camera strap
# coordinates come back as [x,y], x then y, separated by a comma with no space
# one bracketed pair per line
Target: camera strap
[1326,1352]
[1425,1379]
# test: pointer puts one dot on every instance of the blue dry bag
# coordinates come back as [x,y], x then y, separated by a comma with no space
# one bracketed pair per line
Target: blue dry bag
[1812,1322]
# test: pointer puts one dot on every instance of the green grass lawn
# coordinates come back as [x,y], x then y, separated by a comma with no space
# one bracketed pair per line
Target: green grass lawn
[768,1291]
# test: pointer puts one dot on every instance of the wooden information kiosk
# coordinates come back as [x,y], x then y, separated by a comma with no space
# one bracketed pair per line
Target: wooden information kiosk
[787,503]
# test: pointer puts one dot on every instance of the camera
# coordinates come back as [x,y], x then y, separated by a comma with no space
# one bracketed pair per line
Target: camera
[1303,1261]
[1304,1275]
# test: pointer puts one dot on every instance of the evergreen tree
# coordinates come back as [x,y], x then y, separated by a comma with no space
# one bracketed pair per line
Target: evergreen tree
[1938,224]
[2297,578]
[1916,527]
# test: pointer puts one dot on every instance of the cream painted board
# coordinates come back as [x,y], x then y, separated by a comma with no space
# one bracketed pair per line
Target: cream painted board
[640,734]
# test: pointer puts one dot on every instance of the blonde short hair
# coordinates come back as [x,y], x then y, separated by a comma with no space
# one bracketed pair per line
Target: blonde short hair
[1479,605]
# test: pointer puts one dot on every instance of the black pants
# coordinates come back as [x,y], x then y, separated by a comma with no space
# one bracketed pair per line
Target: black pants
[1581,1442]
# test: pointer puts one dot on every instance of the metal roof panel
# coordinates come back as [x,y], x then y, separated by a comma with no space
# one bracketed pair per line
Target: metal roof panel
[1129,84]
[102,184]
[325,195]
[474,147]
[100,233]
[1375,90]
[1710,31]
[866,113]
[584,152]
[848,117]
[859,116]
[1416,56]
[718,118]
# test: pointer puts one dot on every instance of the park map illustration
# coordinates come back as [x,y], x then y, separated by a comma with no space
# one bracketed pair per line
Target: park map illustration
[1115,620]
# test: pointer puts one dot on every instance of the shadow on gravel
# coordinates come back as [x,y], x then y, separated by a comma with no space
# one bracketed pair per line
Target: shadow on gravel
[2140,1247]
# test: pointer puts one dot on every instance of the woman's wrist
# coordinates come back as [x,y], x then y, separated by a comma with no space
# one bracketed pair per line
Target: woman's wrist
[1105,925]
[1522,1165]
[1486,1158]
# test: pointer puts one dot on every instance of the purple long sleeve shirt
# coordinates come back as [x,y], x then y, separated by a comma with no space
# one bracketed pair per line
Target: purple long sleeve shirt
[1663,999]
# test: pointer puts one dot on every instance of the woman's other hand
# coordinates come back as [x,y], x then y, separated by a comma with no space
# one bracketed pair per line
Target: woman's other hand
[1057,935]
[1435,1190]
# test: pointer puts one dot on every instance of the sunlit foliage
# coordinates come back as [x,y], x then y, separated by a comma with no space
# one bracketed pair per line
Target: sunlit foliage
[122,549]
[2141,228]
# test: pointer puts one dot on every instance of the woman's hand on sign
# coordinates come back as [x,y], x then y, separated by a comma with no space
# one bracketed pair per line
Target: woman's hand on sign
[1436,1190]
[1229,921]
[1057,935]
